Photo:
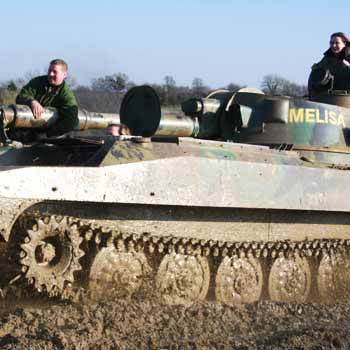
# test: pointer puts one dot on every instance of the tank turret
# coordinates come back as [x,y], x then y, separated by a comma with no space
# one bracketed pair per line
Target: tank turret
[319,130]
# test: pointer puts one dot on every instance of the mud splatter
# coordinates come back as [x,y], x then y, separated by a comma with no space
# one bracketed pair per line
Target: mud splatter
[145,324]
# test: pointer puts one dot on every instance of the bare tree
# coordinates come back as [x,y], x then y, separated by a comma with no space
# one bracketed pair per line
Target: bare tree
[113,83]
[198,88]
[234,87]
[169,81]
[293,89]
[8,96]
[71,81]
[170,90]
[34,73]
[272,84]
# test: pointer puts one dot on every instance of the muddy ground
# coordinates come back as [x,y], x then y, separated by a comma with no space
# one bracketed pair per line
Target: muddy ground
[145,324]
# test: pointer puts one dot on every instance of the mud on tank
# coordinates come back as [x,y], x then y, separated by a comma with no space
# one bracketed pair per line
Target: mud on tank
[241,197]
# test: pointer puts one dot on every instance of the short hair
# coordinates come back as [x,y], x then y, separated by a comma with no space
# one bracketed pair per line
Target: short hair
[60,62]
[342,36]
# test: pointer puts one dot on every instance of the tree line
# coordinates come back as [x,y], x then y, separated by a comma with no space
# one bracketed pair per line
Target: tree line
[104,94]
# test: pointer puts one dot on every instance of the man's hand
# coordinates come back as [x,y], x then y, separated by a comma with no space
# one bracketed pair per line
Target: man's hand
[37,109]
[347,63]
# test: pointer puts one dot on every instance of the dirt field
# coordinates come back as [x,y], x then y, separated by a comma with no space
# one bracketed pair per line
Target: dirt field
[148,325]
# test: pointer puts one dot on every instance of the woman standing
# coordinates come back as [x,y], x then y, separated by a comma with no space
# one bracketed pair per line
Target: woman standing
[336,61]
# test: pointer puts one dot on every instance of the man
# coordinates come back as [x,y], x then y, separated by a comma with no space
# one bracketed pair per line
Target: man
[51,90]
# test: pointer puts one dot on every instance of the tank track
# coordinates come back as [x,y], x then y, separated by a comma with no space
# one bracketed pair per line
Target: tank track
[110,263]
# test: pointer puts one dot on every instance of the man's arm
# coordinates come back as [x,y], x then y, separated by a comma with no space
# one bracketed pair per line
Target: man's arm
[27,97]
[67,108]
[28,93]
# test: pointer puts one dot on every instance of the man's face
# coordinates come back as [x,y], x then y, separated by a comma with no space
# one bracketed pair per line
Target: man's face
[56,74]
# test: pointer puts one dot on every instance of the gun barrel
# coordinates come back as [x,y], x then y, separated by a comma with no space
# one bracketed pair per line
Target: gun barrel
[176,125]
[19,116]
[140,111]
[90,120]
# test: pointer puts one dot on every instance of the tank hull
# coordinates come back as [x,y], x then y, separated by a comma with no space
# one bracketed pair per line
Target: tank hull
[160,207]
[181,174]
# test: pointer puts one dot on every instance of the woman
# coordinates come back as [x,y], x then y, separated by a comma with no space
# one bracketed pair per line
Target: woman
[336,61]
[339,48]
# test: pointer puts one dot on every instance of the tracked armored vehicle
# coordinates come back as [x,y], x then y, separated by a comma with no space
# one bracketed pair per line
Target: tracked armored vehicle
[240,197]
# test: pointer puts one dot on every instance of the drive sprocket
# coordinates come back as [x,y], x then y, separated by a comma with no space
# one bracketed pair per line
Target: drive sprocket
[51,253]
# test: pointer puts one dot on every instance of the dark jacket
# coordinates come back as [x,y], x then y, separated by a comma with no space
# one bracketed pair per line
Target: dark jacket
[60,97]
[334,63]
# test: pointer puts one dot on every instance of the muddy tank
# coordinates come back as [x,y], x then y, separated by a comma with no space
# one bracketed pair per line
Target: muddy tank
[240,197]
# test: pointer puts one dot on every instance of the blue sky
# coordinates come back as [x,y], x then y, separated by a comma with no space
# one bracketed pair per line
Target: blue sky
[219,41]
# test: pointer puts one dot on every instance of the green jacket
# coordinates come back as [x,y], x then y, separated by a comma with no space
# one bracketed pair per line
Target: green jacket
[60,97]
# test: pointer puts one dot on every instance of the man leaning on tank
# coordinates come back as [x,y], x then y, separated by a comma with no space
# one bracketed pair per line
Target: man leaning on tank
[52,90]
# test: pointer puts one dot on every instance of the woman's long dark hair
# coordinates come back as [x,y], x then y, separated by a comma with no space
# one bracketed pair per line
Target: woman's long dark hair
[342,36]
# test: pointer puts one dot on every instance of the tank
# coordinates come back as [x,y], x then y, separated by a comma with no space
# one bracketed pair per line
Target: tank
[241,197]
